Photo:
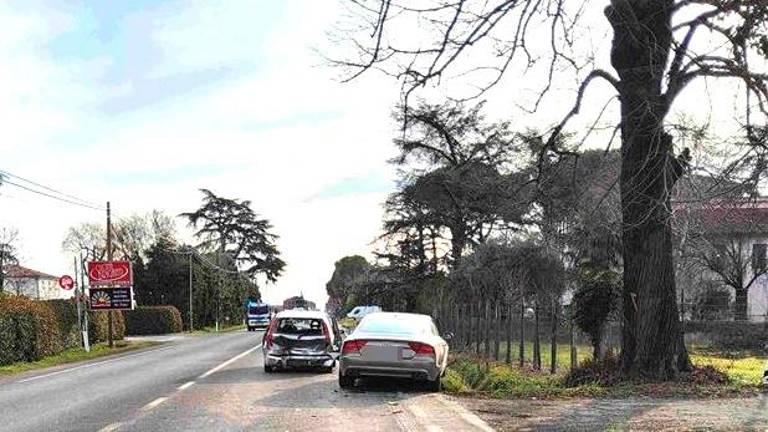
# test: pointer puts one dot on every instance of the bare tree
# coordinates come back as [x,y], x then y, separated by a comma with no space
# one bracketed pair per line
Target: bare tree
[659,47]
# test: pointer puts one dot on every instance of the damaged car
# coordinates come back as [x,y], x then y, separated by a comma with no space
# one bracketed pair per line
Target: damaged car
[301,339]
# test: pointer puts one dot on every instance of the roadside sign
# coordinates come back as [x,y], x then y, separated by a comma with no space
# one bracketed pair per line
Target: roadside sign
[66,282]
[110,273]
[116,298]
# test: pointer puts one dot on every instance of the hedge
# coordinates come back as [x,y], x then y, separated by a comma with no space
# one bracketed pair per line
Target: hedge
[152,320]
[98,326]
[728,335]
[66,317]
[28,330]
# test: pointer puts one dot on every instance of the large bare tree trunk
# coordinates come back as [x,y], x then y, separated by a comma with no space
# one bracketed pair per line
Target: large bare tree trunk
[641,46]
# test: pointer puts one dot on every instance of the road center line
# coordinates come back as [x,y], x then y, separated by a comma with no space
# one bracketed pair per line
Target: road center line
[186,385]
[87,365]
[154,403]
[223,365]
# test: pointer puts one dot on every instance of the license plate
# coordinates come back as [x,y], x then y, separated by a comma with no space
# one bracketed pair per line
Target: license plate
[382,353]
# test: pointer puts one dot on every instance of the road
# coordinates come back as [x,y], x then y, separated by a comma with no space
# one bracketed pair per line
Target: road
[213,383]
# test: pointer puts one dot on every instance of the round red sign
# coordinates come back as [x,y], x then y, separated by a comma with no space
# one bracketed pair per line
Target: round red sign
[66,282]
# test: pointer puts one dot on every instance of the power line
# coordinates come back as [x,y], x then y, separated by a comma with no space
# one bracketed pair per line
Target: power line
[68,196]
[52,196]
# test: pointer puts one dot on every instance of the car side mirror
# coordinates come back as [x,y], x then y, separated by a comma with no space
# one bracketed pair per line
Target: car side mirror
[448,336]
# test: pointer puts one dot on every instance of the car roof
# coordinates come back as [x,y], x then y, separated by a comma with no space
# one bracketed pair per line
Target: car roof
[398,315]
[302,313]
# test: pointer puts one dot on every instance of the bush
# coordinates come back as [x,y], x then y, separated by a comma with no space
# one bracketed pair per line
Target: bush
[28,330]
[98,326]
[729,335]
[66,318]
[152,320]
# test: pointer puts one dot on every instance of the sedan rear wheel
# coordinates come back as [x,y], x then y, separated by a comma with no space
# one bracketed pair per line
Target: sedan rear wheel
[345,382]
[435,385]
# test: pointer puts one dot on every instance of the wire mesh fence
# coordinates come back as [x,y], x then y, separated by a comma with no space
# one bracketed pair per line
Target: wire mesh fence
[543,337]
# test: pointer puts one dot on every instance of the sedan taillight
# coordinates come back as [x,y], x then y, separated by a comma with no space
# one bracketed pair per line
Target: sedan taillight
[352,346]
[270,338]
[422,349]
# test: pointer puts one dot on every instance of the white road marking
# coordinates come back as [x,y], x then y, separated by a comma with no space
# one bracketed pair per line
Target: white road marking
[154,403]
[232,360]
[186,385]
[92,364]
[112,427]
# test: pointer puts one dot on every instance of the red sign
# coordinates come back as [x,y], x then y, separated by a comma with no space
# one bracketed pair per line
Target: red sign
[110,273]
[66,282]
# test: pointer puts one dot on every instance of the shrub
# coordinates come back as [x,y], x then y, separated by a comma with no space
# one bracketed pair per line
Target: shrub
[604,372]
[66,319]
[149,320]
[28,330]
[98,326]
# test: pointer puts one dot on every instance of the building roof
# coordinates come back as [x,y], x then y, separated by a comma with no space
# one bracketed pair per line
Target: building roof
[726,216]
[17,271]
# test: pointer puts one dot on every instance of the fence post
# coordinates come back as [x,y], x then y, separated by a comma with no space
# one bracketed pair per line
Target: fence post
[522,333]
[553,341]
[510,311]
[478,329]
[497,333]
[572,341]
[536,340]
[487,345]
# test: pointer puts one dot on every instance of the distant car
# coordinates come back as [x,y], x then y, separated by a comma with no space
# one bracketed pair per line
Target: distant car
[393,344]
[360,311]
[301,339]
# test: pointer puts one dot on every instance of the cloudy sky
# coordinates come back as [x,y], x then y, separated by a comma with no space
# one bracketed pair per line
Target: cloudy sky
[143,102]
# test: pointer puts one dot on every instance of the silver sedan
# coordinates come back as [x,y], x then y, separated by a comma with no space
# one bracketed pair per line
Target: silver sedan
[393,344]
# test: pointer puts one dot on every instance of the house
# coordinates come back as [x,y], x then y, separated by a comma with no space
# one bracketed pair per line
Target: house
[33,284]
[728,239]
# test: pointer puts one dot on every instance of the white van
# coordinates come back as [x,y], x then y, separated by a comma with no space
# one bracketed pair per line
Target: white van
[359,312]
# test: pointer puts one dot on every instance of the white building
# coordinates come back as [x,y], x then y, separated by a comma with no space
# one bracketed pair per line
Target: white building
[33,284]
[741,230]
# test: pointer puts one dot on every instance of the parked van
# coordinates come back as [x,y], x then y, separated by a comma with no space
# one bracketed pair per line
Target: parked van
[358,312]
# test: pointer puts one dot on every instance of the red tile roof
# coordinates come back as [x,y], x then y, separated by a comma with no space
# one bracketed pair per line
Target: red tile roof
[16,271]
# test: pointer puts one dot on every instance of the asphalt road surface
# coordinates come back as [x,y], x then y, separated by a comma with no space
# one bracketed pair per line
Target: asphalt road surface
[214,383]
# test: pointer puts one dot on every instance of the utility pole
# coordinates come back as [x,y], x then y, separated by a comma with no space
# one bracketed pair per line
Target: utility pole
[110,332]
[189,255]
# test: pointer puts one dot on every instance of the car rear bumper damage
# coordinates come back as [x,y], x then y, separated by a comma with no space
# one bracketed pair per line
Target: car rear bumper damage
[298,361]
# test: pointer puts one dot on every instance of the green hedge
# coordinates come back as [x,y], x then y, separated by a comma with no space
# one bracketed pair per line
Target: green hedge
[728,335]
[28,330]
[98,326]
[66,317]
[152,320]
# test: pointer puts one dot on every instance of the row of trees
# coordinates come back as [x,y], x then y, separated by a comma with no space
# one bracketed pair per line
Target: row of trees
[659,47]
[235,249]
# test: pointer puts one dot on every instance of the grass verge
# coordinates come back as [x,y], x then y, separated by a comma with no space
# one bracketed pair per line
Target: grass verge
[222,329]
[75,355]
[468,375]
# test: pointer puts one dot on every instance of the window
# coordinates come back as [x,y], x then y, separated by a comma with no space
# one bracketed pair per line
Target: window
[258,310]
[300,326]
[758,257]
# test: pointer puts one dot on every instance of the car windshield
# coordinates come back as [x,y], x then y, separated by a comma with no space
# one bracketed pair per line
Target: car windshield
[394,326]
[258,310]
[300,326]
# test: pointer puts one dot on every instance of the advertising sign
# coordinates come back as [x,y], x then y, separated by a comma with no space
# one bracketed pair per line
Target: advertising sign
[109,273]
[117,298]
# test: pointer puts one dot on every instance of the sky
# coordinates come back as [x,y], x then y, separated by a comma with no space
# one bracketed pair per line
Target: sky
[144,102]
[141,103]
